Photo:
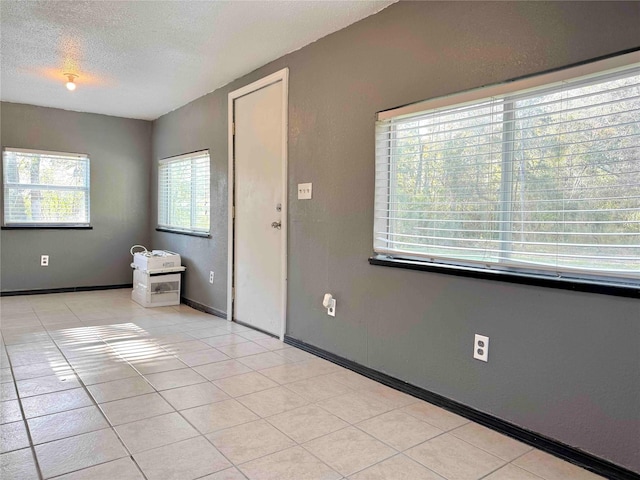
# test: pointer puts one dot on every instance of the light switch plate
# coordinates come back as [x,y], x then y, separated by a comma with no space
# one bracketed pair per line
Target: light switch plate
[304,191]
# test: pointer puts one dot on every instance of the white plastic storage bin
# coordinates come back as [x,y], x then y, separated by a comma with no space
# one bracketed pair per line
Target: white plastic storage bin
[159,290]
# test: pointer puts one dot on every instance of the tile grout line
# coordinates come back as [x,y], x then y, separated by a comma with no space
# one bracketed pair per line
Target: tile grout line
[507,462]
[24,419]
[511,463]
[349,424]
[286,386]
[113,427]
[237,466]
[95,404]
[527,470]
[261,418]
[200,434]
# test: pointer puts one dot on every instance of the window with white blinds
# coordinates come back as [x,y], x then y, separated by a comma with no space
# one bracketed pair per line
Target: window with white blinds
[45,188]
[544,180]
[183,193]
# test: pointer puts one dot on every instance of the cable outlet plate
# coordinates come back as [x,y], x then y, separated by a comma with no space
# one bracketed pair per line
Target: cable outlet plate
[481,348]
[44,260]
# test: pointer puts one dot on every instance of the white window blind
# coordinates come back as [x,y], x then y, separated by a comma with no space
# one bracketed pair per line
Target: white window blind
[45,188]
[183,193]
[545,180]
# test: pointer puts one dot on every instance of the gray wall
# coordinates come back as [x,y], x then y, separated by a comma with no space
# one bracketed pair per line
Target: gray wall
[563,364]
[120,153]
[199,125]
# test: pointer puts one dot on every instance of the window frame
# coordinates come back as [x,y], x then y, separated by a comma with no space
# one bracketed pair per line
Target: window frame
[510,91]
[168,227]
[10,225]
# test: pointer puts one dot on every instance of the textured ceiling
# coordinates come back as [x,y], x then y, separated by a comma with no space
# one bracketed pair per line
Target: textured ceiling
[141,59]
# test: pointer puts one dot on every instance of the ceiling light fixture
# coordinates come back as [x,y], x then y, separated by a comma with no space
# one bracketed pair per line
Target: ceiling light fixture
[71,83]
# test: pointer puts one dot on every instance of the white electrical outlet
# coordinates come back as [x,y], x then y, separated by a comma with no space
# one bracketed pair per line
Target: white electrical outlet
[211,277]
[481,348]
[44,260]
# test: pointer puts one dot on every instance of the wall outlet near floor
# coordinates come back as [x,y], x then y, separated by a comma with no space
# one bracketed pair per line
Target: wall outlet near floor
[211,277]
[481,348]
[44,260]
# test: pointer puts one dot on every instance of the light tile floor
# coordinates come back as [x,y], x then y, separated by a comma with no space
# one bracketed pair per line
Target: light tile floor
[95,387]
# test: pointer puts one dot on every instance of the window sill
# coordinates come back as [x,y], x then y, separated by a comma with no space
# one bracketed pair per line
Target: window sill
[190,234]
[47,227]
[629,291]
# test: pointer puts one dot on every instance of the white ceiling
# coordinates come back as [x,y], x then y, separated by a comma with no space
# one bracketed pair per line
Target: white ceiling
[142,59]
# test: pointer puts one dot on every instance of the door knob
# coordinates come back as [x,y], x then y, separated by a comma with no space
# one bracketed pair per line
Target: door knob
[277,225]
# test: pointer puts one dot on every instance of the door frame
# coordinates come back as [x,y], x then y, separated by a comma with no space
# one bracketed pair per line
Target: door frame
[279,76]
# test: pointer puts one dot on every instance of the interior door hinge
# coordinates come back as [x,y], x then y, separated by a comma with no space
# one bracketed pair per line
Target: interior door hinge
[233,211]
[233,293]
[233,128]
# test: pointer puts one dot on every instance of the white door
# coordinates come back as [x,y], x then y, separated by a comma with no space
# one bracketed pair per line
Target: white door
[259,230]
